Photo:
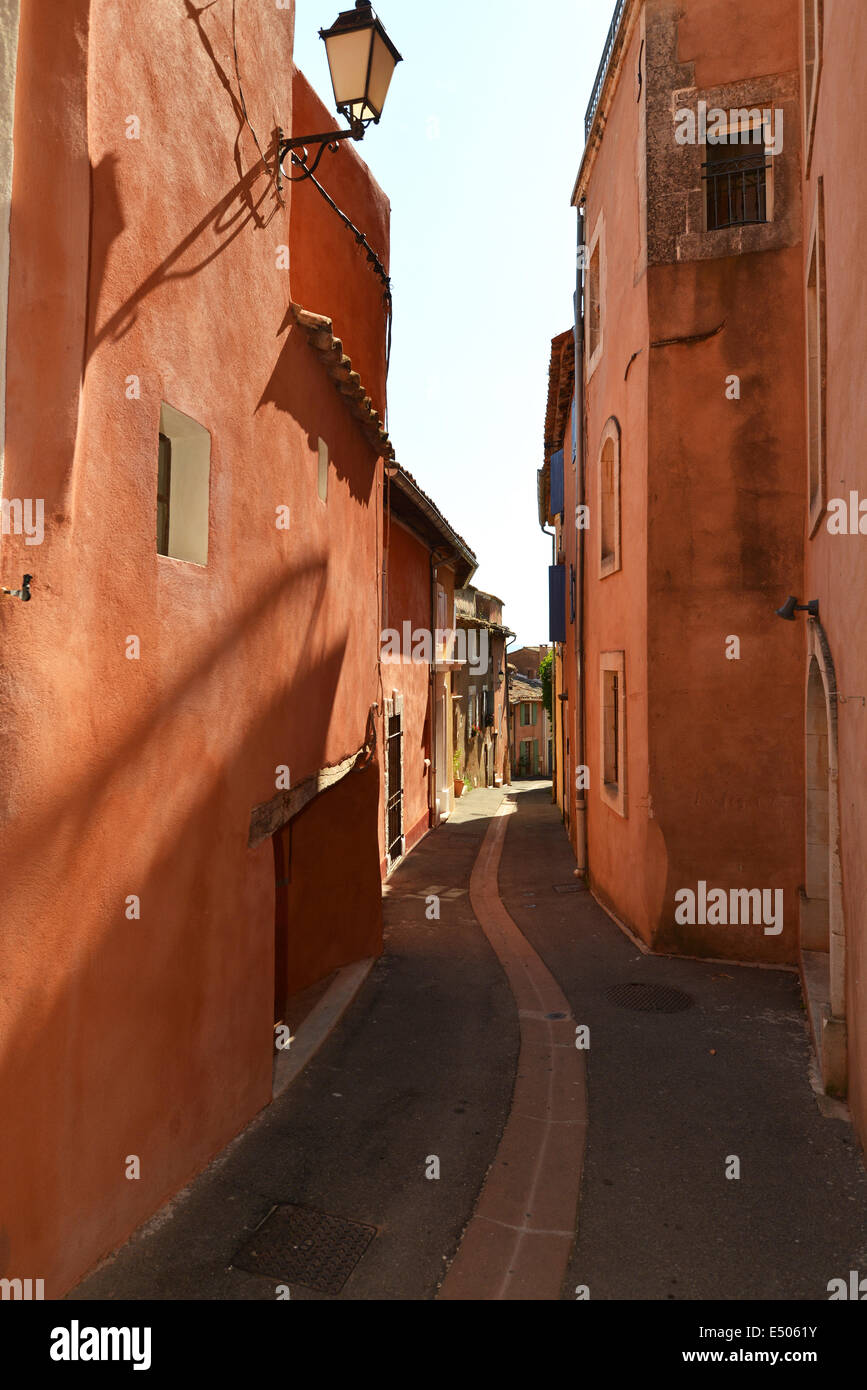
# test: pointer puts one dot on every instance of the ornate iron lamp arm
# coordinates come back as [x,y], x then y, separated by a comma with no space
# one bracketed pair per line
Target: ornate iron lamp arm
[330,140]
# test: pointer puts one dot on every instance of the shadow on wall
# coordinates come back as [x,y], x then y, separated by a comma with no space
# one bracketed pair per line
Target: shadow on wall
[282,392]
[160,1043]
[225,220]
[329,892]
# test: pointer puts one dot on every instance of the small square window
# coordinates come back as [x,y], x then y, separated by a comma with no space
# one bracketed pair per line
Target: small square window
[183,487]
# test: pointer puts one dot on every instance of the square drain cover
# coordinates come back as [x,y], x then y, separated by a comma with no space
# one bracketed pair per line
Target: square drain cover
[297,1246]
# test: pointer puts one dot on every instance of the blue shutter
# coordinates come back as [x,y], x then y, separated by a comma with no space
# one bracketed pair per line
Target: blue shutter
[557,602]
[558,502]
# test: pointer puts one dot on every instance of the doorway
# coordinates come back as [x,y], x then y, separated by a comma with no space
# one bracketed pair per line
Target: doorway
[822,930]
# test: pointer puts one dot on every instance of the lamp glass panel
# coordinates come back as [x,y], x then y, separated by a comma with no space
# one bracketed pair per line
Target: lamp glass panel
[348,57]
[381,72]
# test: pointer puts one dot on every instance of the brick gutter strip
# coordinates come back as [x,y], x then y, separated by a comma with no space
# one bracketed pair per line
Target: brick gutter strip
[519,1239]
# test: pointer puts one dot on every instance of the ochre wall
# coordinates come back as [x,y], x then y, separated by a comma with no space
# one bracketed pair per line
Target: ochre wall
[837,565]
[726,750]
[124,777]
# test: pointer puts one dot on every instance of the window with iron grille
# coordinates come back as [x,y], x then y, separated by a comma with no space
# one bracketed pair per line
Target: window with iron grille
[736,183]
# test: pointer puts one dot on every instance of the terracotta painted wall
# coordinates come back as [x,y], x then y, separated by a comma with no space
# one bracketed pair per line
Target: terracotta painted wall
[836,568]
[138,777]
[9,16]
[328,879]
[616,607]
[330,271]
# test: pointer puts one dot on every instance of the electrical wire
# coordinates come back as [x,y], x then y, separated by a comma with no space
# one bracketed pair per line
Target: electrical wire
[272,175]
[373,260]
[372,257]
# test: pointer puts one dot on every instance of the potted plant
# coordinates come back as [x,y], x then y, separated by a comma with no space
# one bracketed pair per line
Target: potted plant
[459,781]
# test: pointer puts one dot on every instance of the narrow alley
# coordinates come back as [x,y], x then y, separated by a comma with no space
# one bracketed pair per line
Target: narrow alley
[433,693]
[714,1065]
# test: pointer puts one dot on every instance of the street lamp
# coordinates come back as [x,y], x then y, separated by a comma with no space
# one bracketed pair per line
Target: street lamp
[362,60]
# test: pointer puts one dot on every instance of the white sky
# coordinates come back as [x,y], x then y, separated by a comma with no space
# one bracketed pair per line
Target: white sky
[478,149]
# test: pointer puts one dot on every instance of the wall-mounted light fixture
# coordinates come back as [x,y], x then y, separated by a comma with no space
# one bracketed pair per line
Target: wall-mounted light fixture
[362,60]
[792,606]
[23,593]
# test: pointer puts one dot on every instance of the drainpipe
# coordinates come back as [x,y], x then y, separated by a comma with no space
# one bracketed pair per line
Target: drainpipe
[580,713]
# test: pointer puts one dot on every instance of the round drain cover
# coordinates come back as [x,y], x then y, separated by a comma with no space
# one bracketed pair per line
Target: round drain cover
[650,999]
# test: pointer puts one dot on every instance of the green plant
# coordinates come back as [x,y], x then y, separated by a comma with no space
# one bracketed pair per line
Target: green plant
[546,674]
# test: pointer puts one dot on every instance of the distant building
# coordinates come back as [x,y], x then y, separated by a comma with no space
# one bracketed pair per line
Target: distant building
[527,660]
[530,728]
[426,562]
[481,731]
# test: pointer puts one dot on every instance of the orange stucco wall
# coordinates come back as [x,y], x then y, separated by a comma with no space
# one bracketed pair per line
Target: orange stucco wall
[616,607]
[836,566]
[158,258]
[709,492]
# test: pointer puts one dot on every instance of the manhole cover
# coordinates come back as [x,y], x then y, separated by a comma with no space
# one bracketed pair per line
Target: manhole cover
[650,999]
[297,1246]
